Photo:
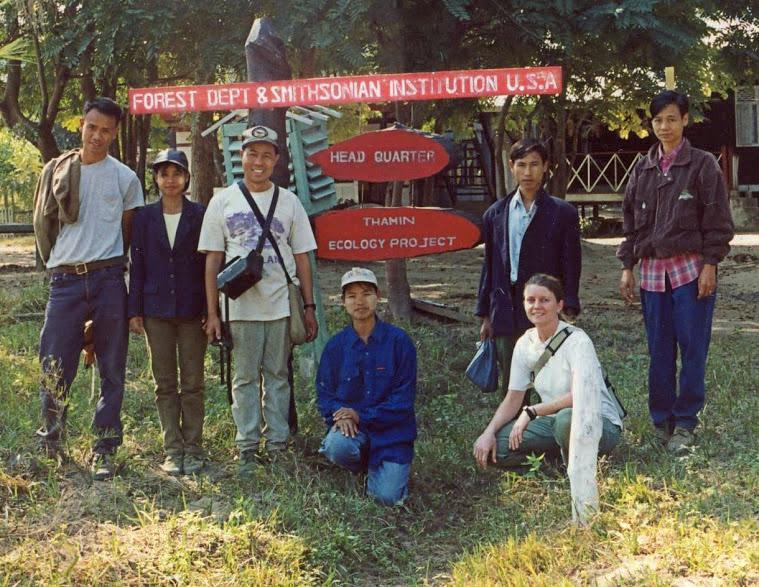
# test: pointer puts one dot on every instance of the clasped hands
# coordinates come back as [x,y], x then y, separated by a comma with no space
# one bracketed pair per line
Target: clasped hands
[346,421]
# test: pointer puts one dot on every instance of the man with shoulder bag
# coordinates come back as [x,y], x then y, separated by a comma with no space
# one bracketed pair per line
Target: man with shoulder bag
[264,233]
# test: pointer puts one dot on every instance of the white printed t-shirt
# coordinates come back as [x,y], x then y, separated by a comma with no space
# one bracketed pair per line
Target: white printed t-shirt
[106,190]
[574,364]
[230,226]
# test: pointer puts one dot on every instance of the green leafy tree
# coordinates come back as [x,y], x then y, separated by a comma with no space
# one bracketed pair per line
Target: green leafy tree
[20,164]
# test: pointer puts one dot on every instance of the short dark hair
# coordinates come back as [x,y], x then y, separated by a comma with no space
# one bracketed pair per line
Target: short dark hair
[106,106]
[369,283]
[521,149]
[664,99]
[551,283]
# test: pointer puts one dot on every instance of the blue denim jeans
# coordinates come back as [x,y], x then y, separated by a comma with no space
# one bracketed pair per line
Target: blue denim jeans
[676,318]
[100,296]
[387,484]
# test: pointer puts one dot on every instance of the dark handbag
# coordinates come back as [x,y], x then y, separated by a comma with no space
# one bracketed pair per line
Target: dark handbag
[240,274]
[483,368]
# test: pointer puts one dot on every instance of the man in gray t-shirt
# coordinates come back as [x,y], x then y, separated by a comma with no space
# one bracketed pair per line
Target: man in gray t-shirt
[86,266]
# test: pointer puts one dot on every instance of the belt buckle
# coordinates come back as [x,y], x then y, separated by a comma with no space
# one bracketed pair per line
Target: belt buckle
[80,268]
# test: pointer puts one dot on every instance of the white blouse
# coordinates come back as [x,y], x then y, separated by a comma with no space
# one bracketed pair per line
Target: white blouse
[574,364]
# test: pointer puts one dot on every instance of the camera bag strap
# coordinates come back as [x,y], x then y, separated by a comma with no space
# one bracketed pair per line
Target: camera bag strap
[264,223]
[272,240]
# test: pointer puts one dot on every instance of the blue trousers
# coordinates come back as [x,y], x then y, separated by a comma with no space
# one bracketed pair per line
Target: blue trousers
[100,296]
[387,484]
[676,319]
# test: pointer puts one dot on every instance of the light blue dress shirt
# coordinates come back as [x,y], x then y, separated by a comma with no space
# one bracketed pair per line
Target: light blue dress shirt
[519,220]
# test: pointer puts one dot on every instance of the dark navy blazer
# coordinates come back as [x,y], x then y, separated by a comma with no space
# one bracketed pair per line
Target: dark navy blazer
[166,282]
[550,245]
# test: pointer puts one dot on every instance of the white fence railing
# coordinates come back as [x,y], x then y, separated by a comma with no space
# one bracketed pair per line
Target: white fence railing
[603,172]
[11,216]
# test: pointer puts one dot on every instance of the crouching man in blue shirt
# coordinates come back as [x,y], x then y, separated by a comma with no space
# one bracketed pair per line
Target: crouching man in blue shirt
[366,388]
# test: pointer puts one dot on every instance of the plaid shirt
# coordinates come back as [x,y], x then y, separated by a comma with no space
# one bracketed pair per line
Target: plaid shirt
[667,159]
[681,269]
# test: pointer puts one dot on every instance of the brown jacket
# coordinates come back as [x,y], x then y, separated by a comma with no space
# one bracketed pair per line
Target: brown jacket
[683,211]
[56,199]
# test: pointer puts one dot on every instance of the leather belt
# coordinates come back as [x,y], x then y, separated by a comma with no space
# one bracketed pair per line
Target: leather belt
[84,268]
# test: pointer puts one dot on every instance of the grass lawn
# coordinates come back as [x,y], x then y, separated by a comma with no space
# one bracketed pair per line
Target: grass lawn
[663,521]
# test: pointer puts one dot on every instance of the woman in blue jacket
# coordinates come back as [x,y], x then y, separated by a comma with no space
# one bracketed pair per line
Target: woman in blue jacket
[167,304]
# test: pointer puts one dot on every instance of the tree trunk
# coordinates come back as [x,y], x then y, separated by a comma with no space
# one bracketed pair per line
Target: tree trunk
[398,289]
[143,132]
[498,140]
[46,142]
[203,168]
[558,184]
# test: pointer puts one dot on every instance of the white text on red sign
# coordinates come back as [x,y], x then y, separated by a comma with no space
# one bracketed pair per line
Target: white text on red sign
[346,90]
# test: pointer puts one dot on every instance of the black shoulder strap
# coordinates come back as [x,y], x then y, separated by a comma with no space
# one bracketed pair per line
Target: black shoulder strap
[264,223]
[260,217]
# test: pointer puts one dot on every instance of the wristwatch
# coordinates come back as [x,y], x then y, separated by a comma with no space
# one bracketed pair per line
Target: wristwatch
[309,306]
[530,411]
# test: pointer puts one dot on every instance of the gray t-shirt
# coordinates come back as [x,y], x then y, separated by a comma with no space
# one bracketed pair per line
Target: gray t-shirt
[107,189]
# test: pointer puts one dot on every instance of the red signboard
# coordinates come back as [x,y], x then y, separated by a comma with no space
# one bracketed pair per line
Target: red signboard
[348,90]
[374,234]
[383,155]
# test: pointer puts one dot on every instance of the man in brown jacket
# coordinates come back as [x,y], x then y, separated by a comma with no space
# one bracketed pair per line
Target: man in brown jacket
[84,206]
[677,223]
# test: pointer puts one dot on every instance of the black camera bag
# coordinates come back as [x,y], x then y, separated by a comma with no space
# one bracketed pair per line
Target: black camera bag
[240,274]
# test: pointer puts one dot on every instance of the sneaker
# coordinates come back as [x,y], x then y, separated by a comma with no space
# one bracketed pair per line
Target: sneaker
[193,464]
[51,449]
[662,434]
[172,465]
[102,467]
[248,457]
[681,442]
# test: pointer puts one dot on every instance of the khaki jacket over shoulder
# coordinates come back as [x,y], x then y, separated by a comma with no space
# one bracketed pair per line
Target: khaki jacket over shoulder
[683,211]
[56,199]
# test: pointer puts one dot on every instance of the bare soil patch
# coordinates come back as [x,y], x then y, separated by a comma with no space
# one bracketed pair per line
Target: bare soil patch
[452,279]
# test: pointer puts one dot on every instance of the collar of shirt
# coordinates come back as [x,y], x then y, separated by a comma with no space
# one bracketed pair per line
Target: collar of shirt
[377,334]
[667,159]
[517,204]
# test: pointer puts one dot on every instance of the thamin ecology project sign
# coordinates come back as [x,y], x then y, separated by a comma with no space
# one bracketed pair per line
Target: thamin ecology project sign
[374,234]
[348,89]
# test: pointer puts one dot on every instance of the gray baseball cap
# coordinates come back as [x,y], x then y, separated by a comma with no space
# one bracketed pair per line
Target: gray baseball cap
[259,134]
[358,275]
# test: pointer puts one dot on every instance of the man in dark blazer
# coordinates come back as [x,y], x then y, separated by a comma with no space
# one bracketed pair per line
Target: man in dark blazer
[527,232]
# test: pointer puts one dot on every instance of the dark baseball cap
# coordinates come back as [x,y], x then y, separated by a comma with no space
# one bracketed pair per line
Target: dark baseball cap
[260,134]
[174,156]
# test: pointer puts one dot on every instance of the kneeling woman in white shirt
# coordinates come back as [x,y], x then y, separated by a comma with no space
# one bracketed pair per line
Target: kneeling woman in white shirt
[544,427]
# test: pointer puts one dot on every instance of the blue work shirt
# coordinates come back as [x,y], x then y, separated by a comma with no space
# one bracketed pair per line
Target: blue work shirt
[519,220]
[378,380]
